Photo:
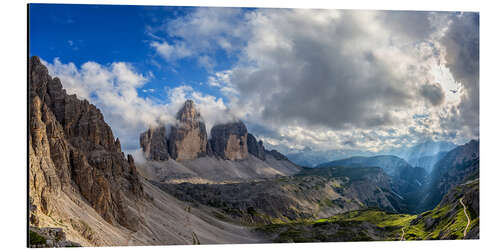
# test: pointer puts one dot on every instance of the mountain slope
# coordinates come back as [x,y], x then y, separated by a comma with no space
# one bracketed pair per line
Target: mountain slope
[307,195]
[457,166]
[456,217]
[406,181]
[457,212]
[216,170]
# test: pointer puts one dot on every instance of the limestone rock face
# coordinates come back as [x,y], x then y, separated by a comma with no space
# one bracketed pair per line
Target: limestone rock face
[154,144]
[256,148]
[229,141]
[188,138]
[72,149]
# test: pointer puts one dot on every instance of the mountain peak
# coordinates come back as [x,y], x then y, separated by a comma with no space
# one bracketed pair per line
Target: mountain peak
[188,139]
[188,112]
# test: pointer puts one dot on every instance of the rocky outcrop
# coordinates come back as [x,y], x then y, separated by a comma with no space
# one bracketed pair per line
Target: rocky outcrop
[49,237]
[154,144]
[188,138]
[229,141]
[256,148]
[73,150]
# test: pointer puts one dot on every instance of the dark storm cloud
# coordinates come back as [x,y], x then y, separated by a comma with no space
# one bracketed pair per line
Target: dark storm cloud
[433,93]
[415,25]
[462,56]
[326,74]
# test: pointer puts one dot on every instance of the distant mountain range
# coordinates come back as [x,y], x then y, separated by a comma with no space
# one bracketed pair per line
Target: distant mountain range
[311,158]
[427,149]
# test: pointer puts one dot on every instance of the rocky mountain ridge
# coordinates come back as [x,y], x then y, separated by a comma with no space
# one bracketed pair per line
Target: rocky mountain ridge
[186,155]
[72,149]
[187,140]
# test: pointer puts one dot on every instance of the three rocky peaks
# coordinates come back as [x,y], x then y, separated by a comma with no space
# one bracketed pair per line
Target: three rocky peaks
[188,140]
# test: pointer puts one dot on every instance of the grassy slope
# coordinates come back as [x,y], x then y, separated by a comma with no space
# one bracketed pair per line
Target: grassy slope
[446,221]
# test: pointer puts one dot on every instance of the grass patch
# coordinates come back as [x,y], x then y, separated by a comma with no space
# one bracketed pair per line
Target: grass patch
[36,239]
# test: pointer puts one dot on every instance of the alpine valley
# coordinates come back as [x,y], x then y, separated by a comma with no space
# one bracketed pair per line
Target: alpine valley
[224,186]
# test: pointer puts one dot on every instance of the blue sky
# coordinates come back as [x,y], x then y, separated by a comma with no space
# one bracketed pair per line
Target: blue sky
[321,79]
[110,33]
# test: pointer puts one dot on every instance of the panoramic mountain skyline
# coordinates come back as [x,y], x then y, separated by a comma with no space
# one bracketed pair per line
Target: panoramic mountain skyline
[152,125]
[319,79]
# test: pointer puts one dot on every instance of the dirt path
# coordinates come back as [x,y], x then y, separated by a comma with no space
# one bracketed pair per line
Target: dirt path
[403,235]
[468,219]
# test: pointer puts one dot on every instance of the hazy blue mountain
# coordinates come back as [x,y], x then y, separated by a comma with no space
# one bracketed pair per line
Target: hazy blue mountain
[389,163]
[426,148]
[427,162]
[311,158]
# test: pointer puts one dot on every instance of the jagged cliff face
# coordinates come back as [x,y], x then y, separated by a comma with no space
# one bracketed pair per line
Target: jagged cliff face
[188,139]
[73,150]
[229,141]
[256,148]
[154,144]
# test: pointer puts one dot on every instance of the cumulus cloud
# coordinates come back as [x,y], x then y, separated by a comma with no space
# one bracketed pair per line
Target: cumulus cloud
[200,33]
[171,51]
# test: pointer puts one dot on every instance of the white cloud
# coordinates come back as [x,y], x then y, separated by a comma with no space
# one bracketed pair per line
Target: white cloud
[171,52]
[200,33]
